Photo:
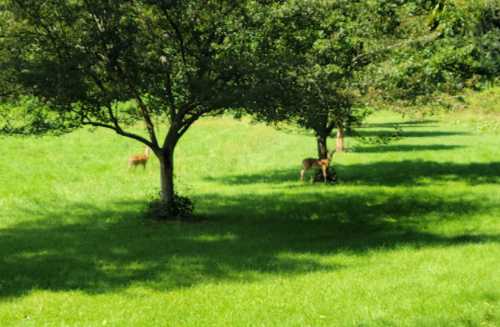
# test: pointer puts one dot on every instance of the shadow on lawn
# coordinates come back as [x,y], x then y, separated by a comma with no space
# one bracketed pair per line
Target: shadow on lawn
[408,123]
[384,173]
[405,133]
[385,129]
[404,148]
[244,238]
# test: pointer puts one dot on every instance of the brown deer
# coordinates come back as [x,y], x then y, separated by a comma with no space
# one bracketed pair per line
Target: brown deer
[139,159]
[323,164]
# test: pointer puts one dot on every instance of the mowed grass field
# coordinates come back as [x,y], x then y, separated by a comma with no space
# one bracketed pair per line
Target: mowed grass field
[410,236]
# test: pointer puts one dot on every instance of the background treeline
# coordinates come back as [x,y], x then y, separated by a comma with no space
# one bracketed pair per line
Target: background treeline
[465,52]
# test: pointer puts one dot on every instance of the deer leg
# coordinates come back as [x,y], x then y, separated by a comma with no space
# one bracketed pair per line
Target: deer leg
[323,168]
[302,174]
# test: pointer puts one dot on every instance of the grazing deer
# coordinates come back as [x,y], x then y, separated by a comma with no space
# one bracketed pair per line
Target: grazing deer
[323,164]
[139,159]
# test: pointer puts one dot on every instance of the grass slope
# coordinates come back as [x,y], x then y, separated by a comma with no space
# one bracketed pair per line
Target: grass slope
[409,237]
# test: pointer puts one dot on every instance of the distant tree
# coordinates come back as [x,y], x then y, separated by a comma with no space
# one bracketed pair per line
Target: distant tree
[316,53]
[178,60]
[327,62]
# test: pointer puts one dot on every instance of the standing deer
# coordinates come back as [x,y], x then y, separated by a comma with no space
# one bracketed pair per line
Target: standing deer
[323,164]
[139,159]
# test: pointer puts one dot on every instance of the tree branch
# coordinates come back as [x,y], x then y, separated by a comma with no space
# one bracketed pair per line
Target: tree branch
[187,123]
[142,106]
[178,34]
[170,94]
[147,119]
[426,38]
[86,121]
[331,126]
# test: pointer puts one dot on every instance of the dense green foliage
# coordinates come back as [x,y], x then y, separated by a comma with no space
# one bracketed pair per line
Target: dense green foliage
[408,237]
[464,52]
[315,53]
[7,85]
[329,62]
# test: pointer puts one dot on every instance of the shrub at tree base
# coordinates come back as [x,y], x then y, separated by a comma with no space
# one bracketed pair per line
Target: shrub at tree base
[180,209]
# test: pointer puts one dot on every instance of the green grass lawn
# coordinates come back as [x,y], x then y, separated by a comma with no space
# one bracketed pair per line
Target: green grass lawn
[410,236]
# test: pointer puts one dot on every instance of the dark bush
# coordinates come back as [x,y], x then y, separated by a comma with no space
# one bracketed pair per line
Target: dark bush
[331,177]
[182,208]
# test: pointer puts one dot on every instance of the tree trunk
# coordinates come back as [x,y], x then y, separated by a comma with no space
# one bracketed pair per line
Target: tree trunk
[340,139]
[167,177]
[322,147]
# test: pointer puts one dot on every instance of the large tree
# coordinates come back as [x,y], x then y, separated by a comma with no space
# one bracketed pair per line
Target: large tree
[178,60]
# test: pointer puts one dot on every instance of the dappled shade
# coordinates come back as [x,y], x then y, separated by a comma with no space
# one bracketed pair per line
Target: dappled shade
[385,173]
[100,257]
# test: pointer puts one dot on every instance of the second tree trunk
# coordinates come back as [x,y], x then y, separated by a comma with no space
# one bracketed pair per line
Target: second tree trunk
[340,140]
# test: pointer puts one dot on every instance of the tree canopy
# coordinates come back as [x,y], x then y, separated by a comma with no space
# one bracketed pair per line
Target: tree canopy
[464,52]
[319,51]
[331,60]
[178,60]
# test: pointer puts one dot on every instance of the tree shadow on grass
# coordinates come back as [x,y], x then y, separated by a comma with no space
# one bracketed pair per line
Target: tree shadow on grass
[245,238]
[385,129]
[368,132]
[408,123]
[419,172]
[384,173]
[404,148]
